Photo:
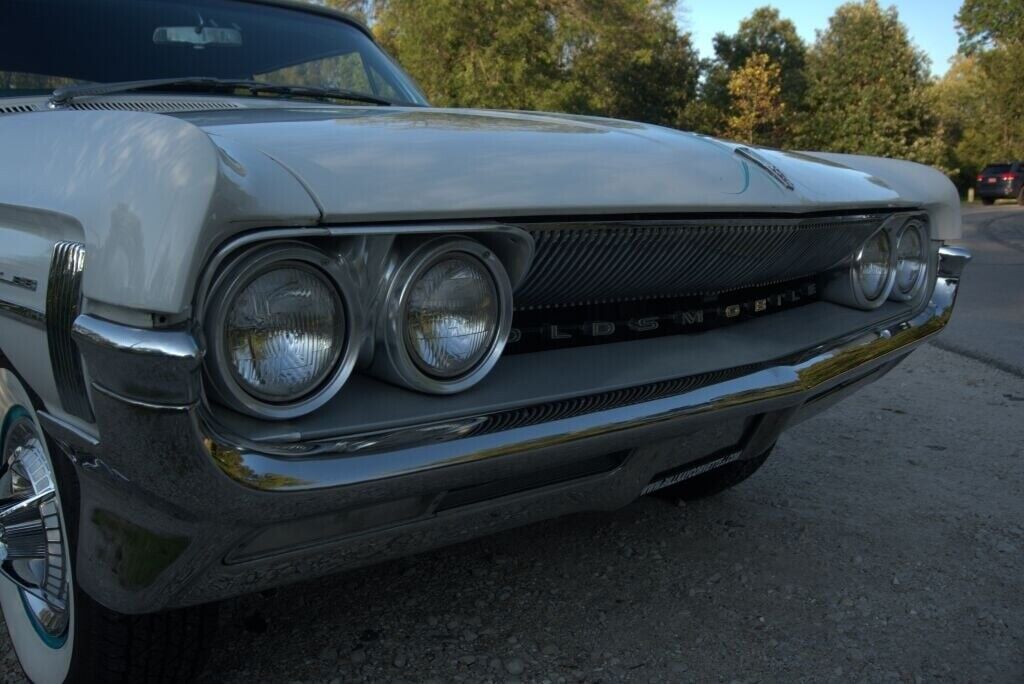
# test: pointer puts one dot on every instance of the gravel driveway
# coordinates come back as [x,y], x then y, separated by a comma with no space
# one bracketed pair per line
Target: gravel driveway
[882,542]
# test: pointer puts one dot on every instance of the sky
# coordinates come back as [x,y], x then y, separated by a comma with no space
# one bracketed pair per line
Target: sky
[930,22]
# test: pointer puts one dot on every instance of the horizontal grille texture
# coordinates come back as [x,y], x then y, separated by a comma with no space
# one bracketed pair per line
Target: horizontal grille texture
[580,406]
[591,263]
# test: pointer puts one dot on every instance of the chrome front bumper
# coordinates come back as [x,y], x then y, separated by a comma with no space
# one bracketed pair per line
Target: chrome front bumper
[175,514]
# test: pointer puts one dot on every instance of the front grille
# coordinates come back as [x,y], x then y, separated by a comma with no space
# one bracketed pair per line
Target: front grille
[589,263]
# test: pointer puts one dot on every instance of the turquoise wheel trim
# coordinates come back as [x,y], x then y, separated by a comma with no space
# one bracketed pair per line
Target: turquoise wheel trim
[54,642]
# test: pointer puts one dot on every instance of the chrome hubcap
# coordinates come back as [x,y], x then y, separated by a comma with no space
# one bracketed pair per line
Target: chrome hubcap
[33,549]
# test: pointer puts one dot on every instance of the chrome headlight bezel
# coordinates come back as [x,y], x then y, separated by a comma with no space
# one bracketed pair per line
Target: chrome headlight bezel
[864,299]
[844,285]
[395,359]
[233,279]
[899,294]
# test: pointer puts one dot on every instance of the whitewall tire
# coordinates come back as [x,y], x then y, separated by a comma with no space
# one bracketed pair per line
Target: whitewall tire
[38,607]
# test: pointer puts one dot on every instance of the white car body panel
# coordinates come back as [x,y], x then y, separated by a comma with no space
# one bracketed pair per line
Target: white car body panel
[153,195]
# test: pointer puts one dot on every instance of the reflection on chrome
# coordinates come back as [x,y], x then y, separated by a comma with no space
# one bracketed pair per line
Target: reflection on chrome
[266,467]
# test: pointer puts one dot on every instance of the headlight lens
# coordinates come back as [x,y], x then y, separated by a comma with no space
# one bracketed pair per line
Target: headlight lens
[911,262]
[284,332]
[451,316]
[874,266]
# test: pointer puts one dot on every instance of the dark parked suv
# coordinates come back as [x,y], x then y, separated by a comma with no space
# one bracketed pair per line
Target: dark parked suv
[998,181]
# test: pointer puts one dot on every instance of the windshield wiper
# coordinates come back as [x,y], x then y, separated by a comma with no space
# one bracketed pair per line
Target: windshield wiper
[61,97]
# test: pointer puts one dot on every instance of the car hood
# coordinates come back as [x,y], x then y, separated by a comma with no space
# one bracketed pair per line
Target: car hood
[387,164]
[152,195]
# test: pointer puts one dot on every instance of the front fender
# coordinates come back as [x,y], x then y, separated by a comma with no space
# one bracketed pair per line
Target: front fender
[153,195]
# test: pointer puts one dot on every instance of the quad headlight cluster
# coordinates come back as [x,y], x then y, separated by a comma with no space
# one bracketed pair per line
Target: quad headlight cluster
[892,264]
[284,324]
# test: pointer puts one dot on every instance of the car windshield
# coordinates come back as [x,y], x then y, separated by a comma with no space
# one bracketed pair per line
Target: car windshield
[48,44]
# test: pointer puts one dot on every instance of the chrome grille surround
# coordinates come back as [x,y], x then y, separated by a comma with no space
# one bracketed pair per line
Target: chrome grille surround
[584,263]
[63,301]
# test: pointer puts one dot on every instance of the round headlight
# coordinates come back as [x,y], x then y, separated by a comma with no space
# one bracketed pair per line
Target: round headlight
[874,267]
[280,325]
[911,262]
[451,316]
[284,332]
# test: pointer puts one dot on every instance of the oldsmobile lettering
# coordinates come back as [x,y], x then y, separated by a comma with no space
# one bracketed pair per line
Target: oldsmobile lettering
[677,321]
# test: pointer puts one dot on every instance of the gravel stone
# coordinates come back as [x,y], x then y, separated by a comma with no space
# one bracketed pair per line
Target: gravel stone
[514,666]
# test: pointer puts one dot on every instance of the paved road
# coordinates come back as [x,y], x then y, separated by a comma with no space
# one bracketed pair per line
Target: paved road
[884,541]
[989,323]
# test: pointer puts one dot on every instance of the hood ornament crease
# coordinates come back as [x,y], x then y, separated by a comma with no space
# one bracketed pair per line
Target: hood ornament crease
[773,170]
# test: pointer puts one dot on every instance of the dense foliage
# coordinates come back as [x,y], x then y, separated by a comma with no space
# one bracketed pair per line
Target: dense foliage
[757,110]
[862,86]
[867,87]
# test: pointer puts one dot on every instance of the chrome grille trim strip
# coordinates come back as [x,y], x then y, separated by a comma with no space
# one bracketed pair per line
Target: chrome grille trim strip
[22,314]
[589,263]
[63,301]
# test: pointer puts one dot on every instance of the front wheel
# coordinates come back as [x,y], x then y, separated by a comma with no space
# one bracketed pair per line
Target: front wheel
[59,633]
[988,201]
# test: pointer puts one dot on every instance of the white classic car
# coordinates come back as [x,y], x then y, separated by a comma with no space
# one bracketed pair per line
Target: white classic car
[265,315]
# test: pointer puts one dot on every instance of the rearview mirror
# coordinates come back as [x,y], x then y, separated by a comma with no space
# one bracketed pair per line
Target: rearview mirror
[198,36]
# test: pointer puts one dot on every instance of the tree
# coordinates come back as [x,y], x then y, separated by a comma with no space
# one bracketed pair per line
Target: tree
[980,98]
[990,23]
[621,58]
[473,53]
[868,87]
[764,32]
[363,10]
[757,111]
